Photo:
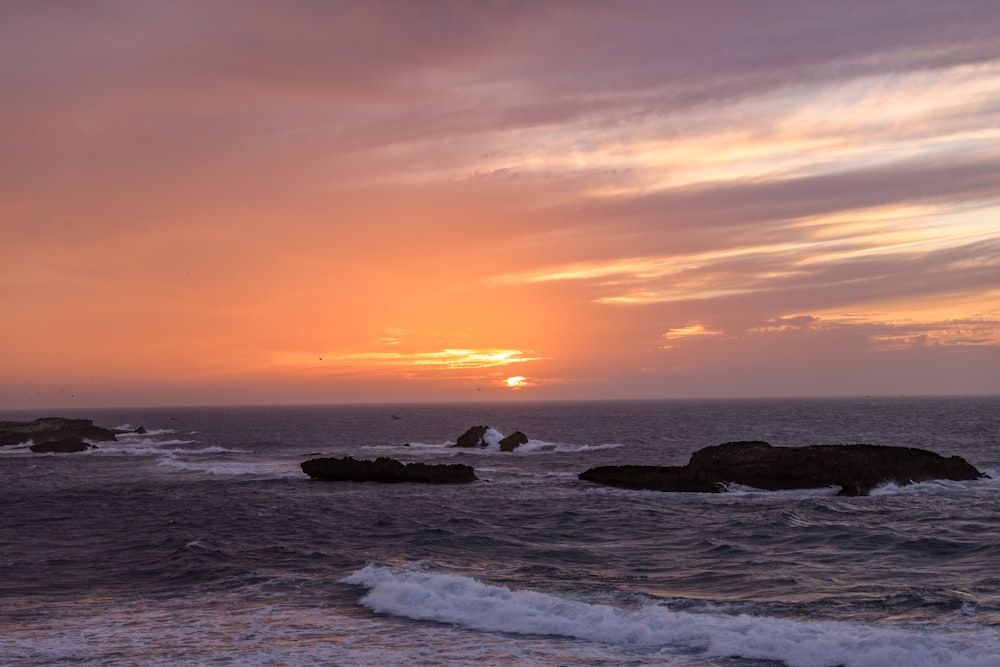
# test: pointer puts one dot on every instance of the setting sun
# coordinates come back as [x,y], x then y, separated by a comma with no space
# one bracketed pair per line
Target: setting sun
[517,382]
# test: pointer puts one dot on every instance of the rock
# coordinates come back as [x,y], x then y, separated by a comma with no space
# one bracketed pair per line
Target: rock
[513,441]
[473,437]
[476,437]
[387,470]
[653,478]
[64,445]
[138,431]
[49,429]
[857,469]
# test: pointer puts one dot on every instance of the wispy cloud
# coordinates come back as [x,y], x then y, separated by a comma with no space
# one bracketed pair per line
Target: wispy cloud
[380,361]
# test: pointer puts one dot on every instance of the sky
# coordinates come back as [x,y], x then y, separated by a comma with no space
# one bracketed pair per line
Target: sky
[317,202]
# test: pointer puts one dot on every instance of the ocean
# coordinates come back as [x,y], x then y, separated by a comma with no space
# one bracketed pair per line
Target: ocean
[201,542]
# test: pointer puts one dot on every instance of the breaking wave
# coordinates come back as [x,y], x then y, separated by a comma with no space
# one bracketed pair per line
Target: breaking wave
[424,592]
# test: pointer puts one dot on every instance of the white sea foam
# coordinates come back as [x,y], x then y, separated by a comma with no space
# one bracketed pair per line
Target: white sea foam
[920,488]
[890,489]
[993,475]
[127,447]
[733,489]
[156,448]
[425,593]
[264,469]
[151,433]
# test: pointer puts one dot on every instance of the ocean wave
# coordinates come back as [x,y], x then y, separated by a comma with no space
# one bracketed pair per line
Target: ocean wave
[422,591]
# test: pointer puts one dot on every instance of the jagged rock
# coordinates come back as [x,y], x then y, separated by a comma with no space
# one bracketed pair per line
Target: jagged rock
[473,437]
[513,441]
[382,469]
[50,429]
[63,445]
[857,469]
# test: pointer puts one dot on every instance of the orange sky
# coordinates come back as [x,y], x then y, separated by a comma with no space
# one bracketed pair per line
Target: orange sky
[309,202]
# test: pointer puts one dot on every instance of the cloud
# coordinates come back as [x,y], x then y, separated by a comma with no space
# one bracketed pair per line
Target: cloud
[413,188]
[402,362]
[787,323]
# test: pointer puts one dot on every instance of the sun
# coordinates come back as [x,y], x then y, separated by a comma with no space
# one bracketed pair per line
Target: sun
[517,382]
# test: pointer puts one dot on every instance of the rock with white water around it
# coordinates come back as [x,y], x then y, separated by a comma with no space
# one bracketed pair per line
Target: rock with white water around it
[383,469]
[856,469]
[53,429]
[513,441]
[474,437]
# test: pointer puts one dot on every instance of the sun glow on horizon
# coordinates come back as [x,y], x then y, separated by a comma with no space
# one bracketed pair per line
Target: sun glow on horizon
[446,359]
[516,382]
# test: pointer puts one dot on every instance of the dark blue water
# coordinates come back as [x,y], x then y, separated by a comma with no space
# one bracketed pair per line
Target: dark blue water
[202,542]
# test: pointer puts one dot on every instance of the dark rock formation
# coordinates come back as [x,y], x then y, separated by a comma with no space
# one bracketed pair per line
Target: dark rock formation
[63,445]
[513,441]
[857,469]
[51,429]
[473,437]
[476,437]
[387,470]
[654,478]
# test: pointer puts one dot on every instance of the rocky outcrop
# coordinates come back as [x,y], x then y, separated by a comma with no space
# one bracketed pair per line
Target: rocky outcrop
[62,446]
[513,441]
[52,430]
[654,478]
[474,437]
[387,470]
[856,469]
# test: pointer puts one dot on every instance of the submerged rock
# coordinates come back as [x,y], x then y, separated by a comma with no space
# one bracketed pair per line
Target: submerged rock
[856,469]
[383,469]
[52,429]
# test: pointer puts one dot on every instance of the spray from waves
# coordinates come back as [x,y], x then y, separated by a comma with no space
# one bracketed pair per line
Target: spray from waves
[422,592]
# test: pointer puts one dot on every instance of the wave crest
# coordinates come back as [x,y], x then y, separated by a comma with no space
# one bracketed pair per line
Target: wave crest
[424,592]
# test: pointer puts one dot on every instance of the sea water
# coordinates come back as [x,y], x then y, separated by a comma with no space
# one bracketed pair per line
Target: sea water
[202,542]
